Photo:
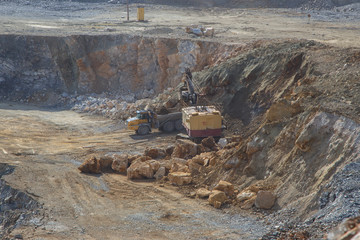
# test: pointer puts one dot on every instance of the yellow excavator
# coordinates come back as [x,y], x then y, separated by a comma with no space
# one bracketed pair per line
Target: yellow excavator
[199,121]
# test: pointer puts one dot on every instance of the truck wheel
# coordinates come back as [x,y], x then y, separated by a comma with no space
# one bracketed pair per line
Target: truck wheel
[169,126]
[143,130]
[178,125]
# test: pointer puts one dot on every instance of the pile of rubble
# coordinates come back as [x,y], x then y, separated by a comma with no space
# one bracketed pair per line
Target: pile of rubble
[122,106]
[180,165]
[16,207]
[349,229]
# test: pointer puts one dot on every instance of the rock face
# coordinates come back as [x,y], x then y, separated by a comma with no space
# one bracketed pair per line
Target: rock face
[217,198]
[265,199]
[348,229]
[91,165]
[281,110]
[17,209]
[254,146]
[180,178]
[87,64]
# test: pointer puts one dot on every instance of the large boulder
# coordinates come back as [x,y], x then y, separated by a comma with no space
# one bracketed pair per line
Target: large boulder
[225,187]
[120,163]
[180,178]
[185,149]
[139,169]
[178,167]
[194,167]
[91,165]
[155,153]
[265,199]
[142,158]
[132,158]
[155,165]
[160,173]
[105,163]
[169,150]
[210,143]
[217,198]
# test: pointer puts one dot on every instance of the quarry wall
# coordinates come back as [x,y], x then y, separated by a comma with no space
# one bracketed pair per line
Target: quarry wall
[34,66]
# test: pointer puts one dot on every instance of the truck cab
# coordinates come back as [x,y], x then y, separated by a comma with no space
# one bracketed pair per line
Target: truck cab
[142,122]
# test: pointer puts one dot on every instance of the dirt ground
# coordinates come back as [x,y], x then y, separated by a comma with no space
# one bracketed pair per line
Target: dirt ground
[336,27]
[46,146]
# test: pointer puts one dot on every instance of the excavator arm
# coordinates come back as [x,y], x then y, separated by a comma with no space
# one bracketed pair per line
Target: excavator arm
[187,92]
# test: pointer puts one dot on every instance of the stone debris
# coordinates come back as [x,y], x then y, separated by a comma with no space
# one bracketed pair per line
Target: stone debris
[203,193]
[222,142]
[17,209]
[249,203]
[200,31]
[265,199]
[254,146]
[349,229]
[178,165]
[217,198]
[180,178]
[194,167]
[225,187]
[232,163]
[91,165]
[245,195]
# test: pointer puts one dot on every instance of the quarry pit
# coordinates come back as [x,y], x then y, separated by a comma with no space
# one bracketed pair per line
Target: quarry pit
[285,79]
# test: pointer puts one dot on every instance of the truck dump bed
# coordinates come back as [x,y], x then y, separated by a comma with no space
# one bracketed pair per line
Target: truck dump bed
[168,117]
[202,121]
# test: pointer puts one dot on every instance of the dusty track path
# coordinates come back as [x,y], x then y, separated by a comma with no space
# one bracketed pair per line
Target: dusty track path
[238,25]
[45,147]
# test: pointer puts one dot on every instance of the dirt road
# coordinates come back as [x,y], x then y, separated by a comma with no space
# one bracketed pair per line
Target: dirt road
[339,28]
[45,147]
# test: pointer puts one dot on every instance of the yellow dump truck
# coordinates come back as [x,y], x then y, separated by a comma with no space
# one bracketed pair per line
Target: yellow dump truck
[145,120]
[201,122]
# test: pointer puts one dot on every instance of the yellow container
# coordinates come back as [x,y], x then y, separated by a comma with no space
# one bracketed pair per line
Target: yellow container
[140,13]
[201,118]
